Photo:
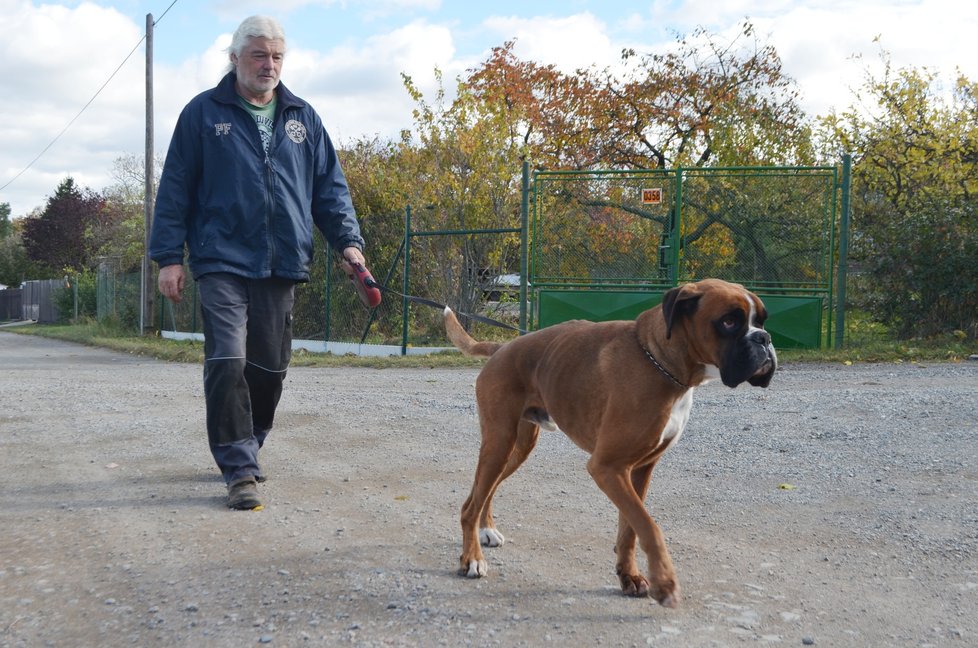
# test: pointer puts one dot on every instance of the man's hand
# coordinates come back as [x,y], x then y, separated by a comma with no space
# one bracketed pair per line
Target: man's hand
[171,282]
[352,256]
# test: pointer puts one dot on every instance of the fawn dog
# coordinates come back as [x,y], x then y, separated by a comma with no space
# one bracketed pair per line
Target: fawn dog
[622,391]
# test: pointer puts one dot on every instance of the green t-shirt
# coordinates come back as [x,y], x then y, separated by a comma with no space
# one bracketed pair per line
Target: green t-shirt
[264,117]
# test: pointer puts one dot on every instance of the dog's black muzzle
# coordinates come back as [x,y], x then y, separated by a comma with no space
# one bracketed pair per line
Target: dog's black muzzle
[751,359]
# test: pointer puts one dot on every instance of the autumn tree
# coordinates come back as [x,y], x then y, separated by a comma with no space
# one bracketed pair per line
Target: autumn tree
[914,209]
[469,167]
[383,180]
[120,233]
[55,237]
[550,116]
[706,102]
[711,102]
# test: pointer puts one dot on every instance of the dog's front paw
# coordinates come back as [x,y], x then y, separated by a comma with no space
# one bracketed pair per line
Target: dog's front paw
[491,537]
[666,593]
[473,568]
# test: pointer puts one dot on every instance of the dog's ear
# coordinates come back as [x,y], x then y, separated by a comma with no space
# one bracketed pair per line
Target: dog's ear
[679,302]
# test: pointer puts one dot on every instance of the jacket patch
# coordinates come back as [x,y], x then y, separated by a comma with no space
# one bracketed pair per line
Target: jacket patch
[296,131]
[222,129]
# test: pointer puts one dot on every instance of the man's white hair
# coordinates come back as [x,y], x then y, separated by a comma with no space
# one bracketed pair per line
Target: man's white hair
[254,27]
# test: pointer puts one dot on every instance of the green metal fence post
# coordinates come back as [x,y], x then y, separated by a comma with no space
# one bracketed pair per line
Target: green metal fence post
[675,236]
[329,294]
[407,279]
[840,310]
[524,248]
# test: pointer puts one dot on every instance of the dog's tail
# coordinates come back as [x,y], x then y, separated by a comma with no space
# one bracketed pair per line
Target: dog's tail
[465,342]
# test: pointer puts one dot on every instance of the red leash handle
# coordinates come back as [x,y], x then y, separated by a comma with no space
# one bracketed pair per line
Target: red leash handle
[365,285]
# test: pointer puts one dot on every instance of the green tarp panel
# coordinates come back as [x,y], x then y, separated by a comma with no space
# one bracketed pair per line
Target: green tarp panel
[793,322]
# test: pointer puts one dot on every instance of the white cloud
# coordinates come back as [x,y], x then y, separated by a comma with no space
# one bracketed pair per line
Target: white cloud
[829,50]
[351,74]
[569,43]
[358,89]
[57,68]
[827,46]
[369,9]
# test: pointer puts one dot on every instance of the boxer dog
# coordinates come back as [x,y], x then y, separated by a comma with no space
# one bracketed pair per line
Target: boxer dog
[622,391]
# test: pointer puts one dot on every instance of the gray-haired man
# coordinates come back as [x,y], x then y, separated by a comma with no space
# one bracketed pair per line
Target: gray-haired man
[249,170]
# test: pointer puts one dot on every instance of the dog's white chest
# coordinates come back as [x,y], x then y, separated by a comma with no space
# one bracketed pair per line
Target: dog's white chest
[678,418]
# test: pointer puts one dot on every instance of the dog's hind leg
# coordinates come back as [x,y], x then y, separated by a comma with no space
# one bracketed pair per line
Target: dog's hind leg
[501,451]
[493,457]
[526,439]
[633,581]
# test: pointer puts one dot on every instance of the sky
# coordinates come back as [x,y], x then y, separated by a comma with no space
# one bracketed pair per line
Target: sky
[65,114]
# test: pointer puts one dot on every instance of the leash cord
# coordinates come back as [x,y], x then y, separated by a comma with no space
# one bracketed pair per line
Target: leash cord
[428,302]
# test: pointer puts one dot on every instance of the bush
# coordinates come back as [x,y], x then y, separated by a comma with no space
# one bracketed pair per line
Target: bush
[80,291]
[923,282]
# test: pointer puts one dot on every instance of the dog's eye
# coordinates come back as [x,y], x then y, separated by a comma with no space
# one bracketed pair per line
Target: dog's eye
[730,323]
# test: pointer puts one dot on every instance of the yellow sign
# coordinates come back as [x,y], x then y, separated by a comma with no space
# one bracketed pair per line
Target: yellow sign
[651,196]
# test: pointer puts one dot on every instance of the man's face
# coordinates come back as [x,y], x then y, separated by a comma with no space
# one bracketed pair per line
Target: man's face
[259,66]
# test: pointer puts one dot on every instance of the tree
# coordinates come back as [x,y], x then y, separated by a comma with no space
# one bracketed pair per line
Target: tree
[15,267]
[708,102]
[549,115]
[120,233]
[472,166]
[55,238]
[6,229]
[914,215]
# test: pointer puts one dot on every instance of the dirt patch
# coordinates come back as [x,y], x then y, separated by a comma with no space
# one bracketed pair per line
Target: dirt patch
[837,508]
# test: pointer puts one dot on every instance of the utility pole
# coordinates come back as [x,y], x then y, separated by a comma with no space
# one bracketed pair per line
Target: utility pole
[149,193]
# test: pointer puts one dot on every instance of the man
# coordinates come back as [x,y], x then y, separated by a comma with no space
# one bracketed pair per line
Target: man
[249,170]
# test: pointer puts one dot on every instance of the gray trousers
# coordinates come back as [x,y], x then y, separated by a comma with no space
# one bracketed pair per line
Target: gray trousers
[247,349]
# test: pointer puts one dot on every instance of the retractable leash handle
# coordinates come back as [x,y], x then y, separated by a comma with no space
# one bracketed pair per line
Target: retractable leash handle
[365,285]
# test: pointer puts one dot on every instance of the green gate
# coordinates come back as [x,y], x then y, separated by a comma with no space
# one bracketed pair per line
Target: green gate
[607,244]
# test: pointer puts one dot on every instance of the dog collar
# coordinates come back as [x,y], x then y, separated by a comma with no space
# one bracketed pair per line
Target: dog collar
[665,372]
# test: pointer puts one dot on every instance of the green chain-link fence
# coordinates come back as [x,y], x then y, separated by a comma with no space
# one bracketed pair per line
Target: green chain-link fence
[602,245]
[117,294]
[606,244]
[473,270]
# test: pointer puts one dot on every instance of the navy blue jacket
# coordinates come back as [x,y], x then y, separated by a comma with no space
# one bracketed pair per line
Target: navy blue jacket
[239,210]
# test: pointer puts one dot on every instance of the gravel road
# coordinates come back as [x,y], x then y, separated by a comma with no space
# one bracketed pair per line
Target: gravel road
[837,508]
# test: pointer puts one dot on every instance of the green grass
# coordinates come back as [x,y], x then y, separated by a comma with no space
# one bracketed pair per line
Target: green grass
[935,350]
[107,337]
[867,344]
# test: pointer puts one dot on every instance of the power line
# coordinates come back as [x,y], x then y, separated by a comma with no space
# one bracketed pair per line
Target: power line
[157,21]
[85,107]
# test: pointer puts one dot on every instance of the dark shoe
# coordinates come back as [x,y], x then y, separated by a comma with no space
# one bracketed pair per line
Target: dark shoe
[243,495]
[261,478]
